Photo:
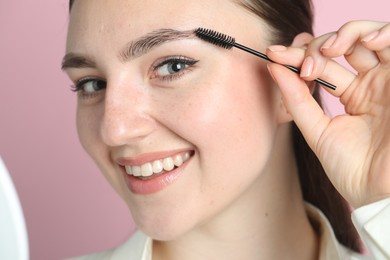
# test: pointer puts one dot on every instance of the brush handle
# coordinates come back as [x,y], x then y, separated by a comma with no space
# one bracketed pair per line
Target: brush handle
[296,70]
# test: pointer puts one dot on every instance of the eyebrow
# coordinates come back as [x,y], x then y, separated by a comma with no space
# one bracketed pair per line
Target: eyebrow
[72,60]
[132,50]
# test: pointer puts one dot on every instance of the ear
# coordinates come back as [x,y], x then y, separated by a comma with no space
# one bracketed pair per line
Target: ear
[300,41]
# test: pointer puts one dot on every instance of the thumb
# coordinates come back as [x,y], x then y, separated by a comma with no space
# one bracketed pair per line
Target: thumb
[307,114]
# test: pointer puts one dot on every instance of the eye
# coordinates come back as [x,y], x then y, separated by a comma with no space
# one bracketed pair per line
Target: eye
[172,67]
[89,87]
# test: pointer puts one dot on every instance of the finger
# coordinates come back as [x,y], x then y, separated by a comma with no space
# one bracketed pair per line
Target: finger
[305,111]
[347,42]
[379,41]
[314,62]
[331,71]
[359,57]
[345,38]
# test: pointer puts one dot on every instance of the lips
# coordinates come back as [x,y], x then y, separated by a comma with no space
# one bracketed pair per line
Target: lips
[151,173]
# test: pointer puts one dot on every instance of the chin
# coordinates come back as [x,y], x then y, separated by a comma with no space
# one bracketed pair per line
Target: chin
[163,231]
[166,224]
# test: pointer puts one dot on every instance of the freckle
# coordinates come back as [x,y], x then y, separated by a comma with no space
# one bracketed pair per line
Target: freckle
[266,214]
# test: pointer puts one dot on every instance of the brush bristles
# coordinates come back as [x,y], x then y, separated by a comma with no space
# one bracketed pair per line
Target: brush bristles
[215,38]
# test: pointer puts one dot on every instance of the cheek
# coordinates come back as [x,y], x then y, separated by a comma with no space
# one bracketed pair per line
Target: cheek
[237,106]
[88,128]
[239,122]
[229,118]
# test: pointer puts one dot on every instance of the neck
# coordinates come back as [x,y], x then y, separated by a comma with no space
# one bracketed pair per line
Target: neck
[267,222]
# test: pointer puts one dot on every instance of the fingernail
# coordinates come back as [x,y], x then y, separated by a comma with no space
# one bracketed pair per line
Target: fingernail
[370,36]
[307,67]
[277,48]
[329,42]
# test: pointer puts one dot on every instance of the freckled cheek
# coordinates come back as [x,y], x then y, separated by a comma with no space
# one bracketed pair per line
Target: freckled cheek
[231,124]
[228,109]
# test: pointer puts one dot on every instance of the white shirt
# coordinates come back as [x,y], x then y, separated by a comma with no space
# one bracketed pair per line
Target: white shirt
[371,221]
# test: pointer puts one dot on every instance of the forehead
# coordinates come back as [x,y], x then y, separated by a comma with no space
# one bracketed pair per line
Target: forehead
[145,15]
[113,22]
[138,14]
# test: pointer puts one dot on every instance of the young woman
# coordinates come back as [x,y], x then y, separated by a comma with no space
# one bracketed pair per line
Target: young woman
[202,143]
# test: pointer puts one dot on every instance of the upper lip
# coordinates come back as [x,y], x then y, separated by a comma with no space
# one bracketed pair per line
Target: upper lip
[149,157]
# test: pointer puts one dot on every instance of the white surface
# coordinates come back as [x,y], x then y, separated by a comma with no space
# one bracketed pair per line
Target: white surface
[13,234]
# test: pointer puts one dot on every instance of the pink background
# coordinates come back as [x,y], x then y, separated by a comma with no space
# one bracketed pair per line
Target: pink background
[69,208]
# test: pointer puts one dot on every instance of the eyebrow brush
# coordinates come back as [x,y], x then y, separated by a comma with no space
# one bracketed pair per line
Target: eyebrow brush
[229,42]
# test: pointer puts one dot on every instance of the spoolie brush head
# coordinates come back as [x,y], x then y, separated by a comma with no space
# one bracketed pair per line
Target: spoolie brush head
[215,38]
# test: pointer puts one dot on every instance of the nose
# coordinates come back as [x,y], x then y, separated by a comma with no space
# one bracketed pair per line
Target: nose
[125,119]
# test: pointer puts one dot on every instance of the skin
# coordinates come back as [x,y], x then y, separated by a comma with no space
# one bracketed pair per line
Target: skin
[354,148]
[138,113]
[235,194]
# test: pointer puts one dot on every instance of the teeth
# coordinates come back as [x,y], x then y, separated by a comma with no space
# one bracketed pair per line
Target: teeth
[136,170]
[178,160]
[168,164]
[157,166]
[147,170]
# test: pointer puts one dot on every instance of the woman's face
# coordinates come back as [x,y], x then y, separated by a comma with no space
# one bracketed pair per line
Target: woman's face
[147,101]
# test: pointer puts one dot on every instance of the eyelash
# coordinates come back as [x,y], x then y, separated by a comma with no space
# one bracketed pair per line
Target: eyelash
[99,84]
[188,63]
[80,86]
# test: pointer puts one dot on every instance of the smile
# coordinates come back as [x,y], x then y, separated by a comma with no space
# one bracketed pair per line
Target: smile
[157,167]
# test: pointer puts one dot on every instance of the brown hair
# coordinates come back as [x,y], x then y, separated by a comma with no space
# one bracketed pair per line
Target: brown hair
[286,19]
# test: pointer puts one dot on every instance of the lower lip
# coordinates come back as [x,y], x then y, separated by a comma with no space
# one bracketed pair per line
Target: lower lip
[155,184]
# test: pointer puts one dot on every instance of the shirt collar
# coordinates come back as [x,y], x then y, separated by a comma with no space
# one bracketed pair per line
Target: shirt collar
[329,246]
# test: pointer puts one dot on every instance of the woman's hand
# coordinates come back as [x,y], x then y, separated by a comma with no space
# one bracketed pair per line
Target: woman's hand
[354,148]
